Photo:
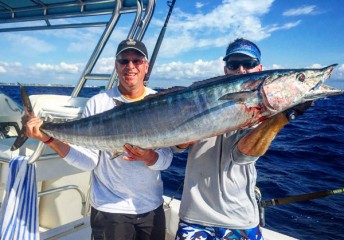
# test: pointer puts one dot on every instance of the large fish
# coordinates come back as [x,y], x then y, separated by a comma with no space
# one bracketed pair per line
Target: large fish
[204,109]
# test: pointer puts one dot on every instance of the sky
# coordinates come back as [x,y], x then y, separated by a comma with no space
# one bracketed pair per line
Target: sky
[290,34]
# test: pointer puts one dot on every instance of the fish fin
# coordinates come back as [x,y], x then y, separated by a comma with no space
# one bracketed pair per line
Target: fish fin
[20,140]
[118,103]
[26,101]
[116,154]
[227,77]
[236,97]
[173,89]
[28,111]
[165,91]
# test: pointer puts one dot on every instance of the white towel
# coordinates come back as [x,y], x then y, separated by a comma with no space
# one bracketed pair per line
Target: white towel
[19,209]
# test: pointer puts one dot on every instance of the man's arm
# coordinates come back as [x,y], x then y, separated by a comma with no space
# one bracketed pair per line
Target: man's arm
[257,142]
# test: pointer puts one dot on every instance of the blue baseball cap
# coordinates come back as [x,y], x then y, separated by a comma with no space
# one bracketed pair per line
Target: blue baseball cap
[243,46]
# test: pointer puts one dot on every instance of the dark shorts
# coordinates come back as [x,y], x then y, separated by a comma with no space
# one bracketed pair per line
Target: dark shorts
[189,231]
[114,226]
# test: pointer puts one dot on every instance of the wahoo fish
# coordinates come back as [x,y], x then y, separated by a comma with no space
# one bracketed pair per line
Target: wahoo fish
[185,114]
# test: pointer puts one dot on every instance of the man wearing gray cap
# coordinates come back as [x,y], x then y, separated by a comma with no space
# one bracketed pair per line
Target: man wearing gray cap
[218,199]
[126,190]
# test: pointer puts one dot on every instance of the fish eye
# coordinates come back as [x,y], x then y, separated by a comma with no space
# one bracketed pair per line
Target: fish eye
[301,77]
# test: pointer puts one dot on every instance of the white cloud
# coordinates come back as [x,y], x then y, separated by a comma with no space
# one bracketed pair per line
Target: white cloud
[275,66]
[338,72]
[178,73]
[337,77]
[286,26]
[2,69]
[316,65]
[59,68]
[306,10]
[105,65]
[216,27]
[229,20]
[11,68]
[31,43]
[199,5]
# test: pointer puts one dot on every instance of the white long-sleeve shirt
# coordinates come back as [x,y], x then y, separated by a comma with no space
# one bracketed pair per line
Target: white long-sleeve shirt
[119,186]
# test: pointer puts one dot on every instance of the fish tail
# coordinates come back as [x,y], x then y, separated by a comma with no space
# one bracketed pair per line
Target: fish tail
[28,111]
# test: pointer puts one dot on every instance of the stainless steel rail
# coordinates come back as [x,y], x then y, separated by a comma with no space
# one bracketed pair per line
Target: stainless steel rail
[98,49]
[37,153]
[37,10]
[65,188]
[41,158]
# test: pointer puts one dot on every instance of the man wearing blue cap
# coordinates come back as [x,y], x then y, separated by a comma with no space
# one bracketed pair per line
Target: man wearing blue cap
[218,199]
[242,56]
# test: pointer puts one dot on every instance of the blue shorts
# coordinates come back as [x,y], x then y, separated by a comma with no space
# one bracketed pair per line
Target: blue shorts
[188,231]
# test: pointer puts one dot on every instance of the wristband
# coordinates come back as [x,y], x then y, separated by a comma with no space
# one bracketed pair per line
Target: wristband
[49,140]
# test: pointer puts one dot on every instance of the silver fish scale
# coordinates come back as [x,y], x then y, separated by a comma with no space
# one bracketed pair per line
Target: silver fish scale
[202,110]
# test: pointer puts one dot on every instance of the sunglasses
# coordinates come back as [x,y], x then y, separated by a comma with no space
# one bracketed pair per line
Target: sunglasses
[247,64]
[136,61]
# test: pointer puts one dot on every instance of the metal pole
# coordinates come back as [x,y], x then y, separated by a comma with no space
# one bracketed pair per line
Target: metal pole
[159,41]
[302,197]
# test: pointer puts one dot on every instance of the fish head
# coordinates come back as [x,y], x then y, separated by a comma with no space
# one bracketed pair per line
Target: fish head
[283,89]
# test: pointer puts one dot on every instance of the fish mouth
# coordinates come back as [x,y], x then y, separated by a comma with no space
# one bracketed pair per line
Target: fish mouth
[326,72]
[321,90]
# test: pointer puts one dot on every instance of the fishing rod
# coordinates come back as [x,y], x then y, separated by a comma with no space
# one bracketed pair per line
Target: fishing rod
[302,197]
[291,199]
[159,41]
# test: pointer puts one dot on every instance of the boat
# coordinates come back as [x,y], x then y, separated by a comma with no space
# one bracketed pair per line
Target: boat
[64,208]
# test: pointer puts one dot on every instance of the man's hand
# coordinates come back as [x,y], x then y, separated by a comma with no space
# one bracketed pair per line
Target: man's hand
[32,128]
[185,145]
[148,156]
[297,110]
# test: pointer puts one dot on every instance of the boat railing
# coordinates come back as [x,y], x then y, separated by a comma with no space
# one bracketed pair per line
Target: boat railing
[98,49]
[31,11]
[137,31]
[37,153]
[65,188]
[37,12]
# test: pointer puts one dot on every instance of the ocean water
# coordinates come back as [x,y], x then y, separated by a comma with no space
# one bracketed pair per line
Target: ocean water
[307,156]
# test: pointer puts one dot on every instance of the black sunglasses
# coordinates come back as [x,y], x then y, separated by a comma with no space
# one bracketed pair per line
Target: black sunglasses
[136,61]
[247,64]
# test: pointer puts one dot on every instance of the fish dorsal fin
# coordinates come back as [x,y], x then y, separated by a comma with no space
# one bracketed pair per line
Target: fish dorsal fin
[118,103]
[210,80]
[170,90]
[173,89]
[236,97]
[166,91]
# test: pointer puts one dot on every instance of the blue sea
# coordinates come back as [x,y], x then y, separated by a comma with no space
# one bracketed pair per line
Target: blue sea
[307,156]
